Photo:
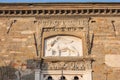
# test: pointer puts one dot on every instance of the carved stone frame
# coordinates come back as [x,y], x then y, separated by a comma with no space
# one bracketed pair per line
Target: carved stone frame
[79,27]
[78,34]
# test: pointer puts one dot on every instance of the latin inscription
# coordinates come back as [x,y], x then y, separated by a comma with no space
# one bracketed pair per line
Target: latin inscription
[63,23]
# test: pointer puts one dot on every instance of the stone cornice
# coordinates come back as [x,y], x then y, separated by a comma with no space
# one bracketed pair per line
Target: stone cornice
[94,12]
[36,9]
[63,4]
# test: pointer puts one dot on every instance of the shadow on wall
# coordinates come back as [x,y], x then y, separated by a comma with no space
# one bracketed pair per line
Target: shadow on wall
[7,73]
[24,72]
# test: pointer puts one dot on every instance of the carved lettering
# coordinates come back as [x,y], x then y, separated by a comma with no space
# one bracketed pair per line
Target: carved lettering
[64,23]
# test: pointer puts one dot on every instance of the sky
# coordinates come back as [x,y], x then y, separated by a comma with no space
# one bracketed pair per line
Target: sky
[44,1]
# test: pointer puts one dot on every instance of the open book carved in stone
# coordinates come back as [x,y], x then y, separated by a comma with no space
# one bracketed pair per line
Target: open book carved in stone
[63,46]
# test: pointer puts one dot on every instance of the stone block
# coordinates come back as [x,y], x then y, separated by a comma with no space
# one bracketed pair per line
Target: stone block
[112,60]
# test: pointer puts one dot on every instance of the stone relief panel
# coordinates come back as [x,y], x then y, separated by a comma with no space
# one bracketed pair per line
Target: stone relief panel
[63,46]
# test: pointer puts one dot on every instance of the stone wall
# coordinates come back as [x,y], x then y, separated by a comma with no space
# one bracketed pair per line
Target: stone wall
[106,44]
[18,37]
[18,45]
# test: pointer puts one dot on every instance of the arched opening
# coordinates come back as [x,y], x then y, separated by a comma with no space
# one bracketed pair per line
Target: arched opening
[62,78]
[76,78]
[49,78]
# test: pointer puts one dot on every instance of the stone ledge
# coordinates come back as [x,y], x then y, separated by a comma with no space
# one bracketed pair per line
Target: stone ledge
[88,58]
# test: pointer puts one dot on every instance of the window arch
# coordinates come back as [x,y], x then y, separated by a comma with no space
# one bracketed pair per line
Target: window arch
[49,78]
[62,78]
[76,78]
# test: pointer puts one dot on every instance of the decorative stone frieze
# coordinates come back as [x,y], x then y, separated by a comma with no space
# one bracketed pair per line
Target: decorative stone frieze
[80,65]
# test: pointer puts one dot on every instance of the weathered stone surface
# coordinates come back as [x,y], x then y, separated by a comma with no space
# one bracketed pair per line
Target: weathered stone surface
[22,38]
[112,60]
